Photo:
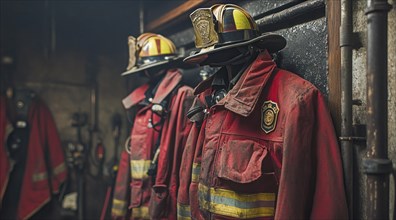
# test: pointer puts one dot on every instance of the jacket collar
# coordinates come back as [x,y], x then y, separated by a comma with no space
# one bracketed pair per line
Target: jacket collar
[166,86]
[244,96]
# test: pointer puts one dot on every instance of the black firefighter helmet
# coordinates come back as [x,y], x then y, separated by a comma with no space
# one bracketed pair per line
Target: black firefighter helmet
[225,26]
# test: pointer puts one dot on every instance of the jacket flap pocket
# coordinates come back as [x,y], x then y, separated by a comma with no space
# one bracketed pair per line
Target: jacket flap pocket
[241,161]
[158,201]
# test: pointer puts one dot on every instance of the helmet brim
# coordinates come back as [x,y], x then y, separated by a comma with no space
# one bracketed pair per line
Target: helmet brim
[163,64]
[270,41]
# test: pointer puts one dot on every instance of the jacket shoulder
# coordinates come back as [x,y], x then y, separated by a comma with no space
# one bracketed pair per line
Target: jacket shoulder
[185,88]
[293,86]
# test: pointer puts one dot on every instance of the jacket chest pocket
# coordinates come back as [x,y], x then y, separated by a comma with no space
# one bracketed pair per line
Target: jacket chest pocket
[241,161]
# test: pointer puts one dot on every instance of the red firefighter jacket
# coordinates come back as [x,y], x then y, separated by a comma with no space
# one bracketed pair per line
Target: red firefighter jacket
[267,150]
[43,139]
[148,198]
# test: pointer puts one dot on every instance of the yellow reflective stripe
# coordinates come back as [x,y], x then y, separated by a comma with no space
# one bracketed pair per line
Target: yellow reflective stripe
[140,212]
[118,212]
[119,205]
[183,212]
[241,21]
[139,168]
[44,175]
[118,202]
[39,176]
[196,169]
[230,203]
[59,169]
[236,196]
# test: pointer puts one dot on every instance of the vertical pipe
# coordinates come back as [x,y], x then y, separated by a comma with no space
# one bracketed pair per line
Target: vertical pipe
[50,25]
[377,109]
[80,195]
[52,29]
[141,16]
[346,99]
[47,29]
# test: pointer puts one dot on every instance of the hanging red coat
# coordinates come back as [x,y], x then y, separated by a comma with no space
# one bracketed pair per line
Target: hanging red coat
[148,199]
[43,139]
[269,151]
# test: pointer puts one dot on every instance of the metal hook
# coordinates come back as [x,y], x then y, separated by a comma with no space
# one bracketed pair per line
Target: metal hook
[128,145]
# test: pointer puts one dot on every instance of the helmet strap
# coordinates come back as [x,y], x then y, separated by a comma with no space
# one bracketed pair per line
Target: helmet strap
[244,56]
[247,60]
[153,75]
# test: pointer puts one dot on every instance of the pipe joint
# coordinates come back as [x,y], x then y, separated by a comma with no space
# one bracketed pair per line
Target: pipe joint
[377,166]
[377,6]
[346,35]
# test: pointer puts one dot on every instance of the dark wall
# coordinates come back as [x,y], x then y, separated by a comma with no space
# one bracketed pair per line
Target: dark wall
[60,48]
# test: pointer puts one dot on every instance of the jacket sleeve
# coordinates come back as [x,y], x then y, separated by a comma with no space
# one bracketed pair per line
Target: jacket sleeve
[183,199]
[173,140]
[311,185]
[187,198]
[53,148]
[119,209]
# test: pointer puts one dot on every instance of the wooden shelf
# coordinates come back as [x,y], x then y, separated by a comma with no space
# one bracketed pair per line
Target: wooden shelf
[173,14]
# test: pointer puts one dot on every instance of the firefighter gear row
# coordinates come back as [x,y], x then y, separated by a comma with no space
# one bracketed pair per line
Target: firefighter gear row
[32,165]
[259,142]
[148,176]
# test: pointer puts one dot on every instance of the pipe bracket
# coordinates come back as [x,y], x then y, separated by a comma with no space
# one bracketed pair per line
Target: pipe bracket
[357,102]
[353,139]
[377,166]
[357,40]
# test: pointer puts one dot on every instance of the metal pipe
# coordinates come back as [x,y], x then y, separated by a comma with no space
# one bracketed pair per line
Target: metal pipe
[300,13]
[52,29]
[80,195]
[346,99]
[94,107]
[141,16]
[377,166]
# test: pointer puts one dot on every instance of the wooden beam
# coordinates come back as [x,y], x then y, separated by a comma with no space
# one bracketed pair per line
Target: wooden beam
[171,15]
[334,61]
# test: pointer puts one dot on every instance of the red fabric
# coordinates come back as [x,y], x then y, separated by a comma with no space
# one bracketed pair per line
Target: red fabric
[183,197]
[173,140]
[299,161]
[160,196]
[4,163]
[43,139]
[121,189]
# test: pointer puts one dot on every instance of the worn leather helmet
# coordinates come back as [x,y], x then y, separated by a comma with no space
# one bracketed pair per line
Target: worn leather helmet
[150,50]
[225,26]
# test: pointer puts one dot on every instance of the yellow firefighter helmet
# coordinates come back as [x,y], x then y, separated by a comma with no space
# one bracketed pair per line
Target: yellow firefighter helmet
[150,50]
